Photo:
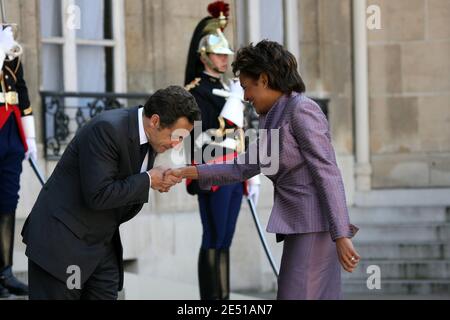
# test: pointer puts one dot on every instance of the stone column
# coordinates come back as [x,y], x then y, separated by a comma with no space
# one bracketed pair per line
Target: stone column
[253,18]
[363,168]
[291,37]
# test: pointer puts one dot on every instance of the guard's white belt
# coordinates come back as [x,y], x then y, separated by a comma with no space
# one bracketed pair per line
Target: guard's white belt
[11,97]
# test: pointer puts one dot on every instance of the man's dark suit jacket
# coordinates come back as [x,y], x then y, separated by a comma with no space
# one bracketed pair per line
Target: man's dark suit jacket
[95,187]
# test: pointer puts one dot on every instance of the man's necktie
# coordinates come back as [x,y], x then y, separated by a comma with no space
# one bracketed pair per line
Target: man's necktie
[143,151]
[151,159]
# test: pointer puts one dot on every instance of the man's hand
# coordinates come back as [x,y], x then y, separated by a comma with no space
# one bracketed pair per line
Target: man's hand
[161,181]
[174,173]
[185,172]
[171,179]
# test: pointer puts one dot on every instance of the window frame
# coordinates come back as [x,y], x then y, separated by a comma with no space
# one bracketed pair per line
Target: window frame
[248,23]
[69,44]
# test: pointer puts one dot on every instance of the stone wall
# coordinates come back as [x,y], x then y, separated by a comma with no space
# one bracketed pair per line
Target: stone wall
[158,34]
[326,67]
[409,85]
[409,69]
[409,113]
[326,63]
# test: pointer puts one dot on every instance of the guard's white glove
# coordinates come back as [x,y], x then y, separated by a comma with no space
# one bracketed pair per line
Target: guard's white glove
[233,110]
[202,139]
[30,135]
[236,89]
[253,189]
[8,46]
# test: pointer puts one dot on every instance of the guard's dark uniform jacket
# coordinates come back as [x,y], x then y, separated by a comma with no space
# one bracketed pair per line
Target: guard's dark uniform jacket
[14,95]
[14,104]
[210,106]
[219,206]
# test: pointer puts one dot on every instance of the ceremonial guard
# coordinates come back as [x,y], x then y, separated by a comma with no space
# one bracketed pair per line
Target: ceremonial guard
[221,138]
[17,141]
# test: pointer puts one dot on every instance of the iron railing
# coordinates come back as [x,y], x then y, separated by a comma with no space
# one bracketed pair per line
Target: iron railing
[64,113]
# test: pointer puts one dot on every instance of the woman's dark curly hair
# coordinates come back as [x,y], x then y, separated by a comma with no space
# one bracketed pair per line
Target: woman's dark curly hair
[271,58]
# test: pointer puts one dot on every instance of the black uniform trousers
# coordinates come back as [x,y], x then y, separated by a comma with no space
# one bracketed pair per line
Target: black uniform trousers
[12,153]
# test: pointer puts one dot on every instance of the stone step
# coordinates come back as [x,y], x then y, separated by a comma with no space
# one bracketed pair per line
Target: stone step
[13,297]
[399,287]
[367,215]
[145,287]
[403,250]
[418,232]
[403,269]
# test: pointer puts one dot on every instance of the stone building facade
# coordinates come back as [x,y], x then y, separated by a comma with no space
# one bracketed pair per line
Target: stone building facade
[407,149]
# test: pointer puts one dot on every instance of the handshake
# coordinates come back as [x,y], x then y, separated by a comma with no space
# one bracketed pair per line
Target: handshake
[163,178]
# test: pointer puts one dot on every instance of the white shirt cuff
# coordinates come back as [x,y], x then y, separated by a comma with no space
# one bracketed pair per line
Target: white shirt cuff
[150,181]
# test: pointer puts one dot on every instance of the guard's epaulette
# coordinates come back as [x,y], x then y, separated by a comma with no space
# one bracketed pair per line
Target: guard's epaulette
[194,83]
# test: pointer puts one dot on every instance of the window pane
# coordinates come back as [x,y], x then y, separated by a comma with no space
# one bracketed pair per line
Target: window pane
[91,61]
[95,19]
[272,20]
[52,71]
[241,23]
[109,80]
[108,22]
[51,18]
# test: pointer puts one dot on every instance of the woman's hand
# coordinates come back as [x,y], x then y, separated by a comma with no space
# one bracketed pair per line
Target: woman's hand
[347,255]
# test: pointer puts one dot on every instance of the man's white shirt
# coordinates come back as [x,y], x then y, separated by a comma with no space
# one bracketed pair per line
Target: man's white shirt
[143,140]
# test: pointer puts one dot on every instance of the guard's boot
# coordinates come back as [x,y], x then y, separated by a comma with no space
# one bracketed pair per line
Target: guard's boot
[7,279]
[4,293]
[224,273]
[208,276]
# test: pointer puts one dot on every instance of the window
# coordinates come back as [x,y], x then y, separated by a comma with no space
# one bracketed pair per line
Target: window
[272,20]
[276,20]
[259,19]
[83,45]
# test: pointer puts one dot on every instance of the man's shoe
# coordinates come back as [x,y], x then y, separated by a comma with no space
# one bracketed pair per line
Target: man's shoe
[4,293]
[10,282]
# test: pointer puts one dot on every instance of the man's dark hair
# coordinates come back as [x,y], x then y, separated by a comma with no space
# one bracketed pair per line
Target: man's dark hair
[273,59]
[172,103]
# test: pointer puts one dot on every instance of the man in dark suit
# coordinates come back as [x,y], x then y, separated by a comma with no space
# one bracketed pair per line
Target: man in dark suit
[102,180]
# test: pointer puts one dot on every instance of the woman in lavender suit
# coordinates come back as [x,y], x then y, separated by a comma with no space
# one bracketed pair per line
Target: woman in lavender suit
[309,213]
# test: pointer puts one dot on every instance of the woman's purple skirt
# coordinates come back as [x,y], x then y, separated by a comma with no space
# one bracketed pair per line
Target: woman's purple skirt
[310,268]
